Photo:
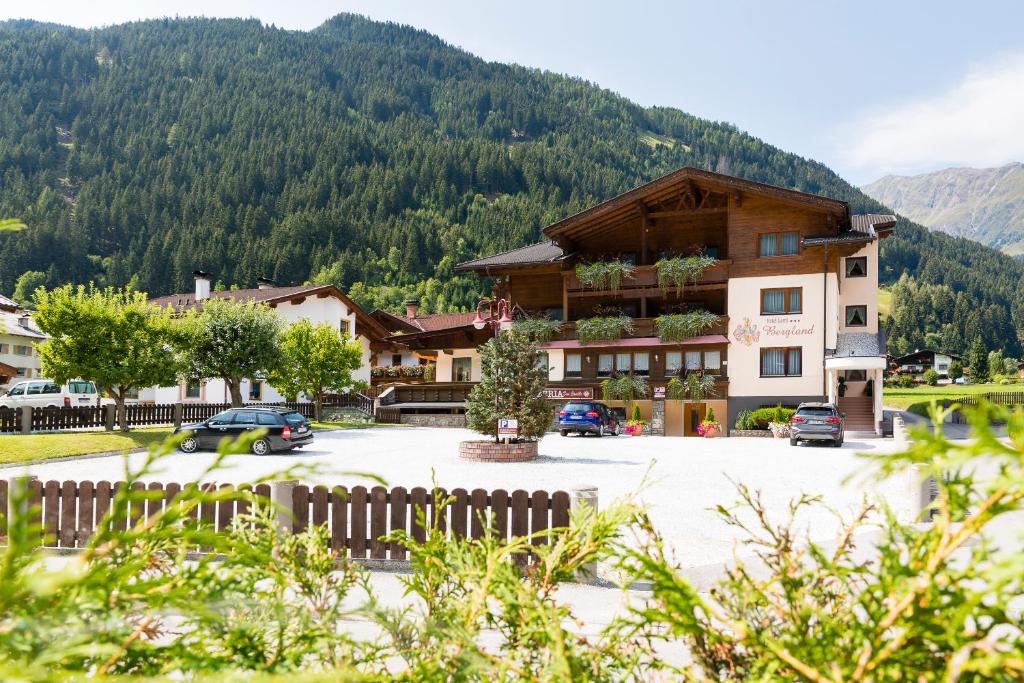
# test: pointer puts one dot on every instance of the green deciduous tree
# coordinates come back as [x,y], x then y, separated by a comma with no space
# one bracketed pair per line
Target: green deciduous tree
[315,359]
[28,282]
[956,370]
[512,381]
[232,341]
[113,337]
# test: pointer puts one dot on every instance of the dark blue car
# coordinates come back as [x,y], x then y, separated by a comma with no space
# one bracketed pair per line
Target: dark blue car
[587,417]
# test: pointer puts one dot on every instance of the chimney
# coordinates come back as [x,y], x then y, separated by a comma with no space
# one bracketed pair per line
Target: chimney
[265,283]
[411,306]
[202,285]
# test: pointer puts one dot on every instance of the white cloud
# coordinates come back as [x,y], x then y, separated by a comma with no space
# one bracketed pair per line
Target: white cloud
[977,122]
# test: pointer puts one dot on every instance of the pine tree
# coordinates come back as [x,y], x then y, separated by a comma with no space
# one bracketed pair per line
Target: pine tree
[977,358]
[512,381]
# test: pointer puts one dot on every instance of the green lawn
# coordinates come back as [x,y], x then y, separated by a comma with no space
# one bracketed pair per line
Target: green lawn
[884,303]
[16,448]
[923,394]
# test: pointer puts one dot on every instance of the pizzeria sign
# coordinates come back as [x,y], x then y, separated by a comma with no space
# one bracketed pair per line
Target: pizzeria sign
[569,394]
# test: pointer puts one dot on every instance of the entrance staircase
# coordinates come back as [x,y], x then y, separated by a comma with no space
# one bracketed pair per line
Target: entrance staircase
[860,413]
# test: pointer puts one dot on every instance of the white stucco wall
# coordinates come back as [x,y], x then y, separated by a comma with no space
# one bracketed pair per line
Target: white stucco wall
[7,355]
[444,364]
[807,330]
[860,291]
[317,310]
[556,365]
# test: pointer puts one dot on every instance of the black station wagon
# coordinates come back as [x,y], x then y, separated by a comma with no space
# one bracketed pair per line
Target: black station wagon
[286,429]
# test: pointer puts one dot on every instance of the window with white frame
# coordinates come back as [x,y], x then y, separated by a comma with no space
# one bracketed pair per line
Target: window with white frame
[673,362]
[781,362]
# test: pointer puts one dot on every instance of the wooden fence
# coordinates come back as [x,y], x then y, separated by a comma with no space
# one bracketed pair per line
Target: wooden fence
[1002,398]
[357,519]
[138,415]
[9,420]
[388,415]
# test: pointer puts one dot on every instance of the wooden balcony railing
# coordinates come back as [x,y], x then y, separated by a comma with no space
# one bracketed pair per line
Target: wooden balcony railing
[439,392]
[644,327]
[646,280]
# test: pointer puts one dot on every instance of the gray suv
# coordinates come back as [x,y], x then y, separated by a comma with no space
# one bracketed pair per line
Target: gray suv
[817,422]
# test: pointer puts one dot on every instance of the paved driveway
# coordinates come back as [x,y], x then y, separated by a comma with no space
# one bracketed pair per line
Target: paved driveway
[677,478]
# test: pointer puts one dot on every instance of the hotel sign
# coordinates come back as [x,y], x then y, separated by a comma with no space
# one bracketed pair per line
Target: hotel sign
[569,394]
[783,328]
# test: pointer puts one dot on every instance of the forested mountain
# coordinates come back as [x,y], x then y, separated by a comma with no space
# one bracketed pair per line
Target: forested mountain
[982,204]
[370,155]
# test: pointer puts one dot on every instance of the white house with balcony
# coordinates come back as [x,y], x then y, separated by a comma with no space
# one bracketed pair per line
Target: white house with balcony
[19,358]
[319,304]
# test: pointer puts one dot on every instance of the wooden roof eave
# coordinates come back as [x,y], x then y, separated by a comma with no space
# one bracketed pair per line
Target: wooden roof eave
[622,205]
[518,268]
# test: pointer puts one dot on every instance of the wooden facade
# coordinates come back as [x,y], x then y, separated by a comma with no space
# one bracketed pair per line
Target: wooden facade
[685,213]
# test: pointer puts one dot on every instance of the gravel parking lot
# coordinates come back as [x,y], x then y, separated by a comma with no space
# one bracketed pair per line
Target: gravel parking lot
[678,479]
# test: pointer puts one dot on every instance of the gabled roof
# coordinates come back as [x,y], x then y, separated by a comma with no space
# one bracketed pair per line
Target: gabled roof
[422,323]
[864,227]
[273,296]
[872,223]
[910,358]
[10,323]
[8,304]
[670,184]
[533,254]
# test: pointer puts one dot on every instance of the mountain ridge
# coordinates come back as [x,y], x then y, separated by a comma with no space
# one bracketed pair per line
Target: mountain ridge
[365,154]
[983,204]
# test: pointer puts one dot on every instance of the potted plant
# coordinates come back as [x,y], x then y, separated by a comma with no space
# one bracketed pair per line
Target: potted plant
[780,430]
[635,426]
[603,328]
[709,426]
[674,273]
[605,274]
[677,327]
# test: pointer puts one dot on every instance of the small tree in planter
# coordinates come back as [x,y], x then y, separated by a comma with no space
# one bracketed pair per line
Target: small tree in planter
[511,385]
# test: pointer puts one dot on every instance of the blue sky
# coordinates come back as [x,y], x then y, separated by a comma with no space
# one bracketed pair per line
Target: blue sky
[868,87]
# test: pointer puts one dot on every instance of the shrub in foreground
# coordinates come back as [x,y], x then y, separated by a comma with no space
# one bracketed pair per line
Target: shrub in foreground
[909,602]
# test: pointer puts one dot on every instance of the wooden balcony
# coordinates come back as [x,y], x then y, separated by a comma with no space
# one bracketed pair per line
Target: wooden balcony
[643,327]
[437,392]
[645,283]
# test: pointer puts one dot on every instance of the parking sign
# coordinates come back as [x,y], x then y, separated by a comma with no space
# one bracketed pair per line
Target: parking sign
[508,427]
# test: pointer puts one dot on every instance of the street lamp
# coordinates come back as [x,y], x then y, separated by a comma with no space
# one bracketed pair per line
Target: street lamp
[499,317]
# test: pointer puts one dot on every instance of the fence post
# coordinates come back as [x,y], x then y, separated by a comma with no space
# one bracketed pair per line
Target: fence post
[281,499]
[109,416]
[18,500]
[585,495]
[25,418]
[179,409]
[899,429]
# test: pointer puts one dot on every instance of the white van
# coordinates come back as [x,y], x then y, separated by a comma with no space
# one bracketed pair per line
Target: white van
[43,393]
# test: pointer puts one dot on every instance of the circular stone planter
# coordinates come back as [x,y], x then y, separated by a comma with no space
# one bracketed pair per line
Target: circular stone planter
[488,451]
